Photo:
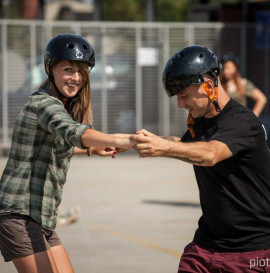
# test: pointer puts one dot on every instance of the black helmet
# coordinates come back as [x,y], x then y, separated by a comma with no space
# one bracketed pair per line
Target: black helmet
[187,67]
[229,56]
[69,47]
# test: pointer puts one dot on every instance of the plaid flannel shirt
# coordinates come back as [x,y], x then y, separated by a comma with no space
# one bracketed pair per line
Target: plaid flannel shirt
[43,141]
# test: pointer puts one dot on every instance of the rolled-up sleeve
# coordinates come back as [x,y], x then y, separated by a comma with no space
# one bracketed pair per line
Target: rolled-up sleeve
[53,117]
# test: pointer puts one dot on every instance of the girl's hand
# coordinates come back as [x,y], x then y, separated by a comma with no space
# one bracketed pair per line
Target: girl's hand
[126,139]
[144,133]
[104,151]
[121,150]
[124,142]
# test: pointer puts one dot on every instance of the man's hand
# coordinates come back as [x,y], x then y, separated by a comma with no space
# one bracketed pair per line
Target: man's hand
[150,145]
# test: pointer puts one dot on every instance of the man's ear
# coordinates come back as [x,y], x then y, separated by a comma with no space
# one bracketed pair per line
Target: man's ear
[210,84]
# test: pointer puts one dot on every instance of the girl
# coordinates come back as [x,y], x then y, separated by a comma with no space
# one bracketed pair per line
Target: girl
[239,88]
[56,119]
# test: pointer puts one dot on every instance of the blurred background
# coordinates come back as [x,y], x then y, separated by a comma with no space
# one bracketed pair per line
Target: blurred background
[132,39]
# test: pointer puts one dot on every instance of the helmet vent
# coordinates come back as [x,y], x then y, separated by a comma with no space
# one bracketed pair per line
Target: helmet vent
[85,47]
[181,55]
[70,46]
[201,55]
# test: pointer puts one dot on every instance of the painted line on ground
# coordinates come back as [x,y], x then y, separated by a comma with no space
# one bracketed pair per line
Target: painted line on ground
[137,240]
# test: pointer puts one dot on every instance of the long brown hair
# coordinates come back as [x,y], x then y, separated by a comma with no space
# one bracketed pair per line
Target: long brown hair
[82,109]
[237,79]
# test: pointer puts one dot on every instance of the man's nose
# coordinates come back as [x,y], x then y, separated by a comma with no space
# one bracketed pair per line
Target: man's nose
[181,102]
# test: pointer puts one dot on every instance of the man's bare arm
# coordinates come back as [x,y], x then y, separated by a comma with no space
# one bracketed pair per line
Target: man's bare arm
[200,153]
[196,153]
[171,138]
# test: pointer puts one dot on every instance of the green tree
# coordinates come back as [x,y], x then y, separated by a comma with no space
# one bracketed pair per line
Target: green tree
[123,10]
[174,10]
[225,1]
[134,10]
[11,9]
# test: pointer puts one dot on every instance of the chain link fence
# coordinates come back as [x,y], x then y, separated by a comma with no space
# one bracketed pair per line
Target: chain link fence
[126,81]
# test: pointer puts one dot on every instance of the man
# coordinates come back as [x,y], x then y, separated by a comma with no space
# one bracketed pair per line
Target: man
[227,146]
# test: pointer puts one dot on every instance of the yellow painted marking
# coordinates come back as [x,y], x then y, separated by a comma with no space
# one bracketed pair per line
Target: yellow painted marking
[137,240]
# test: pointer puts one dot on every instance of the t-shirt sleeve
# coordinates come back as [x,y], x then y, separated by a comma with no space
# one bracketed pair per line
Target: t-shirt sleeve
[186,137]
[53,117]
[249,87]
[238,134]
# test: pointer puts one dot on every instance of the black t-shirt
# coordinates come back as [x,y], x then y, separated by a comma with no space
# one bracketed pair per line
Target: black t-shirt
[235,193]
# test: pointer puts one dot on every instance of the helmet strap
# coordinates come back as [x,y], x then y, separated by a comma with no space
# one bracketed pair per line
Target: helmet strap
[213,98]
[50,74]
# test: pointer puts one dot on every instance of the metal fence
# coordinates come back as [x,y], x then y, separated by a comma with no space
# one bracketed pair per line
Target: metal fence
[126,82]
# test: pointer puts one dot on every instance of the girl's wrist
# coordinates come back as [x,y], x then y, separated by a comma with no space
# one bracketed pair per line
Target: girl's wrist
[120,141]
[168,148]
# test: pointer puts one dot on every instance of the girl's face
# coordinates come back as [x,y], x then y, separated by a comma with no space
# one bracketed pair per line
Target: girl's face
[228,70]
[68,78]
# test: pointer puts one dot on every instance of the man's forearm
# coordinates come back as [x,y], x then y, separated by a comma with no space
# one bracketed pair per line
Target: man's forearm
[187,160]
[171,138]
[199,153]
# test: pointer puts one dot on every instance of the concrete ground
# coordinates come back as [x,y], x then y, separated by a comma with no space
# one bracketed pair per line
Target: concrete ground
[136,214]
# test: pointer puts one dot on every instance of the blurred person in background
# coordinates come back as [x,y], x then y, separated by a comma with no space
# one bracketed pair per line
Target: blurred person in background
[225,142]
[243,90]
[238,88]
[54,124]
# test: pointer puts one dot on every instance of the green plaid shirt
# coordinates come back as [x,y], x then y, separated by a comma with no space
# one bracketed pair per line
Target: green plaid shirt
[43,141]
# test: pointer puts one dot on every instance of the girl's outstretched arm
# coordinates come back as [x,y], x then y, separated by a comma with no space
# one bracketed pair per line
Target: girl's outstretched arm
[93,138]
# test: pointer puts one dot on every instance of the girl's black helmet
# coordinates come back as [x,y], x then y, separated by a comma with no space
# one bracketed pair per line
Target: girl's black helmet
[69,47]
[187,67]
[229,56]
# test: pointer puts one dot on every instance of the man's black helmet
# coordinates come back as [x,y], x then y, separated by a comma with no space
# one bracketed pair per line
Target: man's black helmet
[187,67]
[69,47]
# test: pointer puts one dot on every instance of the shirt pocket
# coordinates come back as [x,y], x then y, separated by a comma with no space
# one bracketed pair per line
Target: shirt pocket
[62,150]
[25,128]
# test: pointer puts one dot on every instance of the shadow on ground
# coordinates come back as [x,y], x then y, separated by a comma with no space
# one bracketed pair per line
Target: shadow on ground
[170,203]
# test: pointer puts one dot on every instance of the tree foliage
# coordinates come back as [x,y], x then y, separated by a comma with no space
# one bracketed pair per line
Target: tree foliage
[123,10]
[173,10]
[10,9]
[135,10]
[225,1]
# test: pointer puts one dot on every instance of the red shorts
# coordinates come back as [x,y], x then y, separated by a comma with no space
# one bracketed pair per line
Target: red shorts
[196,259]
